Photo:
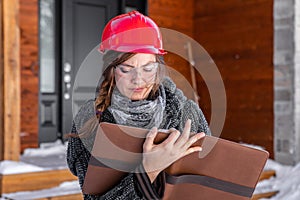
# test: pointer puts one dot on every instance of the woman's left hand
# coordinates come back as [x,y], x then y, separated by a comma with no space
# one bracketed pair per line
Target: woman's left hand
[157,157]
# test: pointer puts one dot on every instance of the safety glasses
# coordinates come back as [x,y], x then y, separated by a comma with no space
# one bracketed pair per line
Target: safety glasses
[145,71]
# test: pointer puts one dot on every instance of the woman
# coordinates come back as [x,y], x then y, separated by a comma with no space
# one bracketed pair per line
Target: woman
[135,92]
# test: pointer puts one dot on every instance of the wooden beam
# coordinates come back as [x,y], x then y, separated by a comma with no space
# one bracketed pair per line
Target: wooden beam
[267,174]
[266,195]
[34,180]
[64,197]
[1,82]
[10,100]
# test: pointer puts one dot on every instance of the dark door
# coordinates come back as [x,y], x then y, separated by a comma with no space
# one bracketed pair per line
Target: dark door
[67,36]
[83,22]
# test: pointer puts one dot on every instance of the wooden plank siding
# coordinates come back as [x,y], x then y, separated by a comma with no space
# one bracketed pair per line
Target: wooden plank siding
[1,84]
[64,197]
[176,14]
[239,37]
[237,34]
[29,73]
[10,73]
[171,15]
[19,83]
[34,180]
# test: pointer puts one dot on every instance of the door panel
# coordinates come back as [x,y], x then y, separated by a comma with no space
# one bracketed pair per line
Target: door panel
[48,119]
[83,22]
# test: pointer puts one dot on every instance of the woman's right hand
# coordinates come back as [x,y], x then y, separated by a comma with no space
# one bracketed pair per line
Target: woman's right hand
[157,157]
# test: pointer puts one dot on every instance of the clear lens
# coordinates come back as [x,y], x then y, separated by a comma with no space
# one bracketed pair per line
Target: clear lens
[145,70]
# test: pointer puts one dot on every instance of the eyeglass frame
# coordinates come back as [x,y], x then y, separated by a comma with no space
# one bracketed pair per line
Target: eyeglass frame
[133,68]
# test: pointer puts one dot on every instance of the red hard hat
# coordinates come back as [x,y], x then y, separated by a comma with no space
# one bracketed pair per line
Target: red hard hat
[132,32]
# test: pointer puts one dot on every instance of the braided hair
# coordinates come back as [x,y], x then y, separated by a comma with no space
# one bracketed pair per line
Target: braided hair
[110,60]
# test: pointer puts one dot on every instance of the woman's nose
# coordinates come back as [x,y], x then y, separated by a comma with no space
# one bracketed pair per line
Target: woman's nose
[137,76]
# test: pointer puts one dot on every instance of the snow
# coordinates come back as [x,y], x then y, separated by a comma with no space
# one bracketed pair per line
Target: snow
[286,181]
[53,156]
[13,167]
[46,149]
[49,156]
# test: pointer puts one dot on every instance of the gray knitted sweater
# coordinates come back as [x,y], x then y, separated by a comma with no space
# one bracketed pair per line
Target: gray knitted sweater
[134,186]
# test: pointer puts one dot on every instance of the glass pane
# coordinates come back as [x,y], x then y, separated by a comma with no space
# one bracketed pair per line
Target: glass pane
[47,45]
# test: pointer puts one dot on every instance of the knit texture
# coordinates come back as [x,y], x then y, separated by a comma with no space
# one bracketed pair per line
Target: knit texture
[177,111]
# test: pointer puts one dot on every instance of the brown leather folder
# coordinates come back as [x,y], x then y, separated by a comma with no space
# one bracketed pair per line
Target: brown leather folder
[223,170]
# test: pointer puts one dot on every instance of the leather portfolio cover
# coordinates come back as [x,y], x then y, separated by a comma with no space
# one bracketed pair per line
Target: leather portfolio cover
[222,170]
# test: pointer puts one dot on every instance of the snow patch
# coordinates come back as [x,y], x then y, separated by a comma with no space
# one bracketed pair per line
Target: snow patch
[14,167]
[286,181]
[46,149]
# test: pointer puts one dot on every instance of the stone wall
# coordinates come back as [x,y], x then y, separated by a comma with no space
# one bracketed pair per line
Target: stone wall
[297,79]
[286,81]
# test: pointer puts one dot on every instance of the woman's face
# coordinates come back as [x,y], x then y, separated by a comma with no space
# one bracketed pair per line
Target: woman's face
[136,76]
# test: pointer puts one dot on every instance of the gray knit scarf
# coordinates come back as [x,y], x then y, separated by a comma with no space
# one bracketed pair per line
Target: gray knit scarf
[144,113]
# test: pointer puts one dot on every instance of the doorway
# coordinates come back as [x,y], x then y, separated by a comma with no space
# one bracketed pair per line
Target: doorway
[69,30]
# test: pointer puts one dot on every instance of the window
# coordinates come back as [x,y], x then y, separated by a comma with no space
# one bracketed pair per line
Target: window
[47,46]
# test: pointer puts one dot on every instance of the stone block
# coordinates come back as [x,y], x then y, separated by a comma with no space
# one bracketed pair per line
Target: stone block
[284,39]
[284,158]
[283,95]
[283,107]
[282,78]
[283,57]
[284,23]
[283,8]
[284,126]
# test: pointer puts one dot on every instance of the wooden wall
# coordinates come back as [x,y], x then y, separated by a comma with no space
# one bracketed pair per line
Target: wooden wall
[29,73]
[10,80]
[171,15]
[238,35]
[1,84]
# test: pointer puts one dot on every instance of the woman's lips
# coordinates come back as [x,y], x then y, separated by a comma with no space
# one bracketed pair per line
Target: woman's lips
[137,89]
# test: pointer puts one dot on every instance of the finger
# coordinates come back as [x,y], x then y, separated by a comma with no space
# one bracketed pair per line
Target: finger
[192,150]
[149,141]
[185,133]
[171,139]
[171,130]
[193,139]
